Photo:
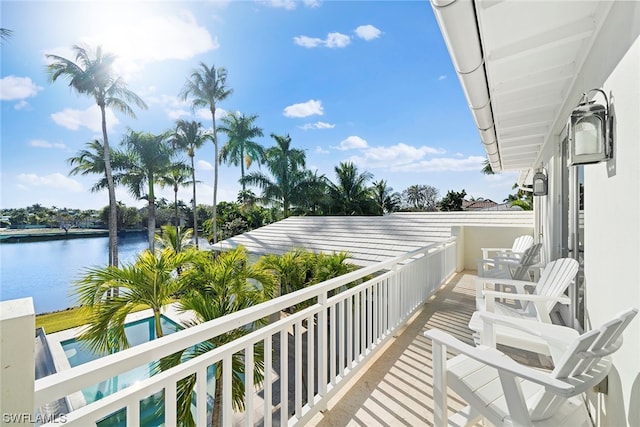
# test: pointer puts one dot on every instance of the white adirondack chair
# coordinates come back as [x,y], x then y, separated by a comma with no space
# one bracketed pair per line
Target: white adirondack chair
[520,244]
[510,268]
[536,306]
[507,393]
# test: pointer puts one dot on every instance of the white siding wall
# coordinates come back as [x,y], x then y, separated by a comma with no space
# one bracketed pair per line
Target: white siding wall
[612,235]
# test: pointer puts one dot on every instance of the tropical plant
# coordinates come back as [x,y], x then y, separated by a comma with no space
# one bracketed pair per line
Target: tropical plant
[206,87]
[240,149]
[189,136]
[177,239]
[486,167]
[293,269]
[5,33]
[178,175]
[385,199]
[147,158]
[93,76]
[350,195]
[219,286]
[421,197]
[149,282]
[313,196]
[286,166]
[452,201]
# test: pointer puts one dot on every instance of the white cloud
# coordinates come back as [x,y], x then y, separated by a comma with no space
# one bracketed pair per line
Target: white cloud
[41,143]
[337,40]
[317,125]
[54,180]
[395,157]
[442,77]
[139,37]
[308,42]
[13,87]
[368,32]
[321,150]
[353,142]
[90,118]
[204,165]
[333,40]
[205,113]
[291,4]
[445,164]
[304,109]
[21,105]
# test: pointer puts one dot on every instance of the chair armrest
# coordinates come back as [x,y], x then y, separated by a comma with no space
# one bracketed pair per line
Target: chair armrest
[496,359]
[557,337]
[526,297]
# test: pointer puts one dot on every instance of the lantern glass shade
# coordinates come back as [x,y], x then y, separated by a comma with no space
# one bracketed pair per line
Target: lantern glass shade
[588,135]
[540,184]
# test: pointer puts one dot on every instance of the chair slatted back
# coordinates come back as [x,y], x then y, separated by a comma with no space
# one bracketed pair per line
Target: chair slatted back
[555,278]
[586,361]
[529,258]
[520,244]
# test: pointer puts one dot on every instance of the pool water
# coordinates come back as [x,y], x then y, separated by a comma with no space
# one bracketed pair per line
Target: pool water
[151,408]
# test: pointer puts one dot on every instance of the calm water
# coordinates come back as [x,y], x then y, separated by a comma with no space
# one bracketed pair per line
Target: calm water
[46,270]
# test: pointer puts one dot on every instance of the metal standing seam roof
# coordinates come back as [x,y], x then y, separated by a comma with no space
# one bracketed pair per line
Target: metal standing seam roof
[368,239]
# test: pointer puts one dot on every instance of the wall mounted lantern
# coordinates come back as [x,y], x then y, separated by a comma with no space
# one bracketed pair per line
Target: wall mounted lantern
[591,131]
[540,183]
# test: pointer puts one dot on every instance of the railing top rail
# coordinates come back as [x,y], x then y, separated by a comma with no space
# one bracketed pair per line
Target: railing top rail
[66,382]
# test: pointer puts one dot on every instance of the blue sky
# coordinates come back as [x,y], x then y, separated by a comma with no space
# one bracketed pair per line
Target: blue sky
[367,82]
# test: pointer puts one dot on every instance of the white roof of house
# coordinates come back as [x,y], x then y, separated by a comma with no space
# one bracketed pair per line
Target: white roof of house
[368,239]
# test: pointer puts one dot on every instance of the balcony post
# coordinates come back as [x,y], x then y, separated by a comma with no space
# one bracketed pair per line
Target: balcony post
[458,233]
[17,362]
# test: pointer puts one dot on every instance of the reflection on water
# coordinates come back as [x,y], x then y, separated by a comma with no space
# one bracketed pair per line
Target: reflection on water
[46,270]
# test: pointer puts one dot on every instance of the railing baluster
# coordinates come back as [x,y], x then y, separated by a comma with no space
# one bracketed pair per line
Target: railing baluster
[298,367]
[310,360]
[201,396]
[268,379]
[284,377]
[350,340]
[341,336]
[357,340]
[170,404]
[133,414]
[227,374]
[322,349]
[249,367]
[332,344]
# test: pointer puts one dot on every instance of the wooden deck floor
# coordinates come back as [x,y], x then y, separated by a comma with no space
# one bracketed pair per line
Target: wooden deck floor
[396,389]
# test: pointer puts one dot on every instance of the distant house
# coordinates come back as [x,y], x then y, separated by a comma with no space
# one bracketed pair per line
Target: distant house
[475,205]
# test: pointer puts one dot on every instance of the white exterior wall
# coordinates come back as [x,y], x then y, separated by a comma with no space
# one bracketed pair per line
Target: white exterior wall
[612,238]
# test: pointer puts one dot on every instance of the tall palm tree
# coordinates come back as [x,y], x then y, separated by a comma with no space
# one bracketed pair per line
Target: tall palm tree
[90,161]
[93,76]
[385,199]
[286,166]
[206,87]
[240,148]
[350,194]
[148,157]
[486,167]
[189,136]
[175,177]
[5,33]
[148,282]
[218,287]
[313,196]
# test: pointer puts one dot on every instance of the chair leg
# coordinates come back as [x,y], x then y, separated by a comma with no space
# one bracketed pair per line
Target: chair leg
[440,384]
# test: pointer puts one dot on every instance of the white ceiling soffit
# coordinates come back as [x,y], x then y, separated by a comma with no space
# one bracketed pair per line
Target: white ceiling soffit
[517,62]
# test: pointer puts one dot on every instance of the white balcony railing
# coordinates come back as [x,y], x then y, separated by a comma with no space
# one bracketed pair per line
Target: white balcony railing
[308,355]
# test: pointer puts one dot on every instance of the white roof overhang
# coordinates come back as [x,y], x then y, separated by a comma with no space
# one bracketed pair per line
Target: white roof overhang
[519,63]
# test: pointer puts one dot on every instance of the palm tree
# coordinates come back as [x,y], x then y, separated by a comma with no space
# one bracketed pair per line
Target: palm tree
[5,33]
[385,199]
[175,238]
[207,87]
[350,195]
[240,149]
[286,166]
[313,196]
[176,176]
[486,167]
[148,157]
[93,76]
[90,161]
[218,287]
[189,136]
[148,282]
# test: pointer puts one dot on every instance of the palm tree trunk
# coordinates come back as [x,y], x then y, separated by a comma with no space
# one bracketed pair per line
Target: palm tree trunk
[175,204]
[156,317]
[242,171]
[152,215]
[215,177]
[113,216]
[195,206]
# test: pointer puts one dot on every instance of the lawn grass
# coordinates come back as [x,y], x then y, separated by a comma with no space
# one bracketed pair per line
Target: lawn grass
[66,319]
